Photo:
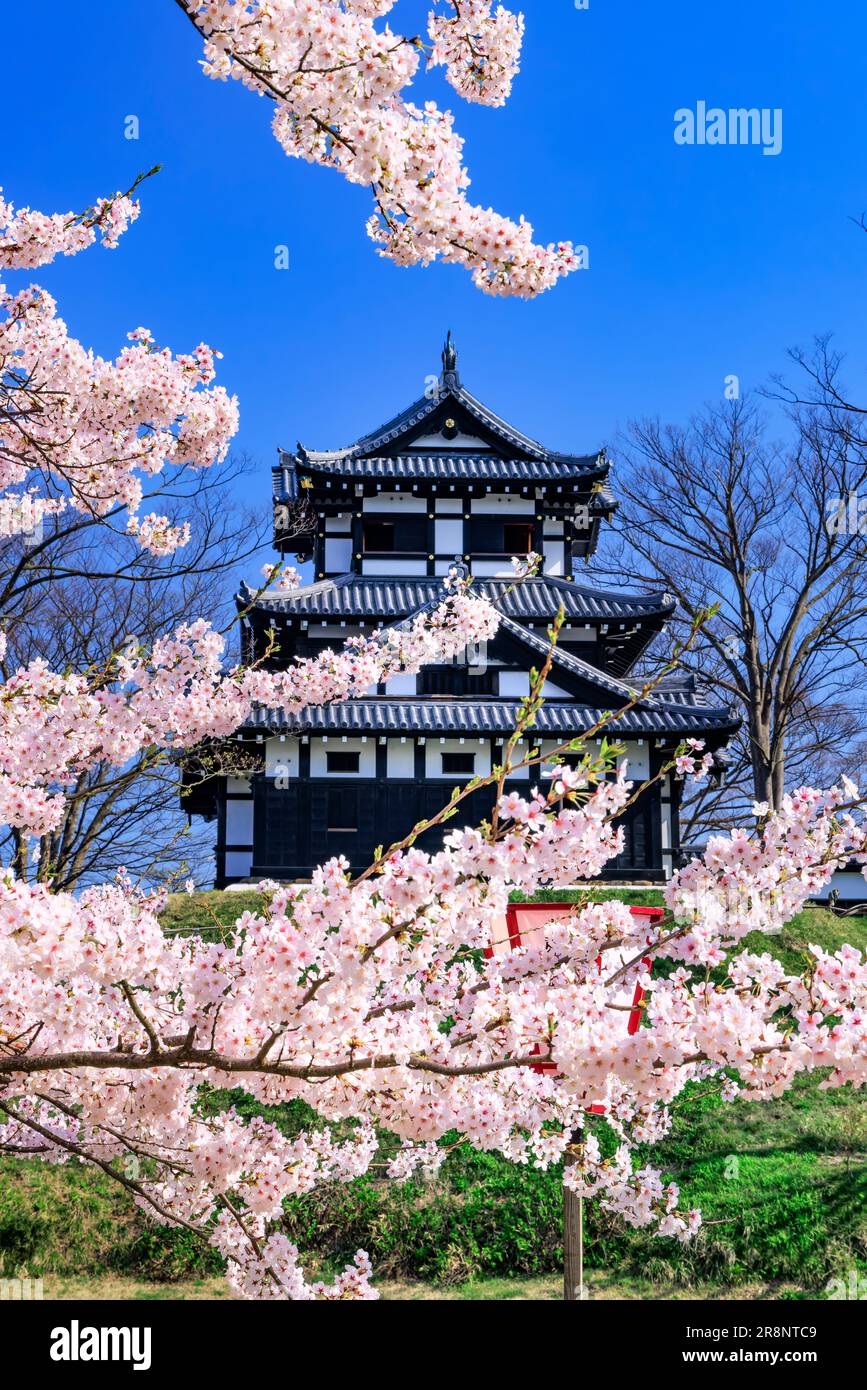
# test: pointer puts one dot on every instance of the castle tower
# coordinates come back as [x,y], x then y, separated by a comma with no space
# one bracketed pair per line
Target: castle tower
[446,480]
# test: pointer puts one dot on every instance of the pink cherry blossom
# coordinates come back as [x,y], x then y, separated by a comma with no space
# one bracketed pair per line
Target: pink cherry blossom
[391,1001]
[95,427]
[338,84]
[387,1001]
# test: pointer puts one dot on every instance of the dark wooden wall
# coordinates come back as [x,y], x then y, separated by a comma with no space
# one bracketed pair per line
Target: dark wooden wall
[291,834]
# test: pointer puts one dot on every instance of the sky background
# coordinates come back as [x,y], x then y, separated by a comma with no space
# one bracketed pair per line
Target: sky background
[703,261]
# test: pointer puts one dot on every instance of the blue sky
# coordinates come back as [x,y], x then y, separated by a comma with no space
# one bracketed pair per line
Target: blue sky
[704,261]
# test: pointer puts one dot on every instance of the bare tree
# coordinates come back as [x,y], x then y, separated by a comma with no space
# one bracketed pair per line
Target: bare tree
[724,515]
[83,590]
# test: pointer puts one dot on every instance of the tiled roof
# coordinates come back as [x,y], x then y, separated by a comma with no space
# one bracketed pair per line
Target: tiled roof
[448,467]
[538,642]
[485,717]
[363,596]
[415,415]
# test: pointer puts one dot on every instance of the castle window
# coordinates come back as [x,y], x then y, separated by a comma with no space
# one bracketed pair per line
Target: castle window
[460,763]
[404,534]
[379,536]
[517,537]
[342,761]
[342,810]
[490,535]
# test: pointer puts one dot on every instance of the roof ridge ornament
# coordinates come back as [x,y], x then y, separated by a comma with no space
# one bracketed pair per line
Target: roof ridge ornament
[450,376]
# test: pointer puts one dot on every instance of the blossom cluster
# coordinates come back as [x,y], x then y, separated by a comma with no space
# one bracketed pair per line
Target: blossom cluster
[480,49]
[96,428]
[54,725]
[338,81]
[757,882]
[388,1002]
[284,578]
[694,762]
[29,238]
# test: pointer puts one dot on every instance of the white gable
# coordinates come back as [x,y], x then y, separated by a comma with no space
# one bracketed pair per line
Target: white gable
[460,441]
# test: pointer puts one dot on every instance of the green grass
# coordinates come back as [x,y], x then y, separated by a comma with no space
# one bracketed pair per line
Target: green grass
[782,1185]
[195,911]
[599,1285]
[637,897]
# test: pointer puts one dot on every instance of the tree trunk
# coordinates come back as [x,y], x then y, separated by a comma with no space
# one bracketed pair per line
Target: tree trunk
[573,1243]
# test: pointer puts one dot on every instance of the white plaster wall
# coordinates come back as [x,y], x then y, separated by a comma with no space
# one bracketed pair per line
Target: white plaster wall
[281,759]
[555,558]
[239,822]
[238,784]
[319,763]
[522,774]
[394,502]
[410,568]
[514,683]
[338,525]
[637,754]
[494,503]
[667,859]
[434,749]
[400,759]
[447,506]
[439,442]
[449,537]
[338,556]
[638,758]
[489,569]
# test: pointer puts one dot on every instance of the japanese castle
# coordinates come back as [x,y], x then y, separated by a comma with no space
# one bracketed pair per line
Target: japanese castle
[446,481]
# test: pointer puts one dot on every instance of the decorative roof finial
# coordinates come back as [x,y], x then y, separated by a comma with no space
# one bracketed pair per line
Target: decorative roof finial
[450,355]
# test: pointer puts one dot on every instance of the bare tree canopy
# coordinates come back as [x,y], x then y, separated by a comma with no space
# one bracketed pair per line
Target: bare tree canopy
[775,534]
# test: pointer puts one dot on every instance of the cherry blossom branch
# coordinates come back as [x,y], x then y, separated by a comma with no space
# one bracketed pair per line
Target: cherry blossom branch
[338,85]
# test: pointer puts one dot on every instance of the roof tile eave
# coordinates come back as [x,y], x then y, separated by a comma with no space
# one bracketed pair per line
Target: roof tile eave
[443,718]
[537,598]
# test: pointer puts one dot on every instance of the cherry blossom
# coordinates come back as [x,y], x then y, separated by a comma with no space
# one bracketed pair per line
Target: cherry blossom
[282,577]
[53,725]
[95,428]
[338,82]
[29,238]
[389,1002]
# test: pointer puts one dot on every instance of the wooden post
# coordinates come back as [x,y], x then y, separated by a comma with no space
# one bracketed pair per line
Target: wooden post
[573,1206]
[573,1243]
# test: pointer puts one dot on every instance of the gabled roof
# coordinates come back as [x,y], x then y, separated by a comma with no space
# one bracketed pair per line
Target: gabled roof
[365,596]
[412,421]
[672,707]
[539,646]
[499,450]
